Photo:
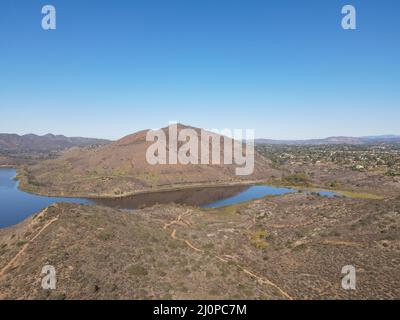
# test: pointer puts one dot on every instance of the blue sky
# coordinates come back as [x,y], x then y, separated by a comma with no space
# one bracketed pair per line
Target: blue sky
[284,68]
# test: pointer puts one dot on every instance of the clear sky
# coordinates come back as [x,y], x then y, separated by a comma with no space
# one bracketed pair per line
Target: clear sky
[284,68]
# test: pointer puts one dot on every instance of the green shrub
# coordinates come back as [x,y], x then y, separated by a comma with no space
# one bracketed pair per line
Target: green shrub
[105,235]
[137,270]
[297,179]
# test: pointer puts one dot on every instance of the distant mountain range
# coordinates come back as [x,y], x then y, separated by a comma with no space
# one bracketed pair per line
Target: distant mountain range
[46,143]
[335,140]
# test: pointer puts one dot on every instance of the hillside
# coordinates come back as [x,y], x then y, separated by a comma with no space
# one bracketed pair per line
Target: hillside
[121,168]
[288,247]
[48,143]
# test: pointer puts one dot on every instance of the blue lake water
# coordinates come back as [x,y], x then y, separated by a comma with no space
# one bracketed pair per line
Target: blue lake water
[16,205]
[251,193]
[257,192]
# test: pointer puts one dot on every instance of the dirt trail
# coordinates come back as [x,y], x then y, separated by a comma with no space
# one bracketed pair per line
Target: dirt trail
[268,282]
[179,220]
[25,246]
[173,235]
[289,226]
[342,243]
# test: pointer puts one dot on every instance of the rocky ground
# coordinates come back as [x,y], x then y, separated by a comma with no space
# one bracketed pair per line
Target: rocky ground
[287,247]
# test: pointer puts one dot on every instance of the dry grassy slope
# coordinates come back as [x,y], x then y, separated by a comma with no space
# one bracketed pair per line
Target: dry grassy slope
[121,168]
[289,247]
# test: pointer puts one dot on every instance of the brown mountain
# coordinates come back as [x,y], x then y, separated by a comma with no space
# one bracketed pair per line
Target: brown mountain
[121,168]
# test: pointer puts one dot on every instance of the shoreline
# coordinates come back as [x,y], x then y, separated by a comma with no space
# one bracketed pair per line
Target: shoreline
[145,191]
[345,193]
[315,188]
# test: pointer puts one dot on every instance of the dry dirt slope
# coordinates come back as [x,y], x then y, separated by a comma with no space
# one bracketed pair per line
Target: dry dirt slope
[290,247]
[121,168]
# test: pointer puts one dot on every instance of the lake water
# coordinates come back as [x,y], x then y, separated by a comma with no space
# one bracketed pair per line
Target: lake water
[16,205]
[251,193]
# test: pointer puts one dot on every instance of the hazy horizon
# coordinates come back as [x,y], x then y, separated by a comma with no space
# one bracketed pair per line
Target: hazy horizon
[257,138]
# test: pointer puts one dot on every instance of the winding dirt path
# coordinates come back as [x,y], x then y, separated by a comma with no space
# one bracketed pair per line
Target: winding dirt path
[25,246]
[179,220]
